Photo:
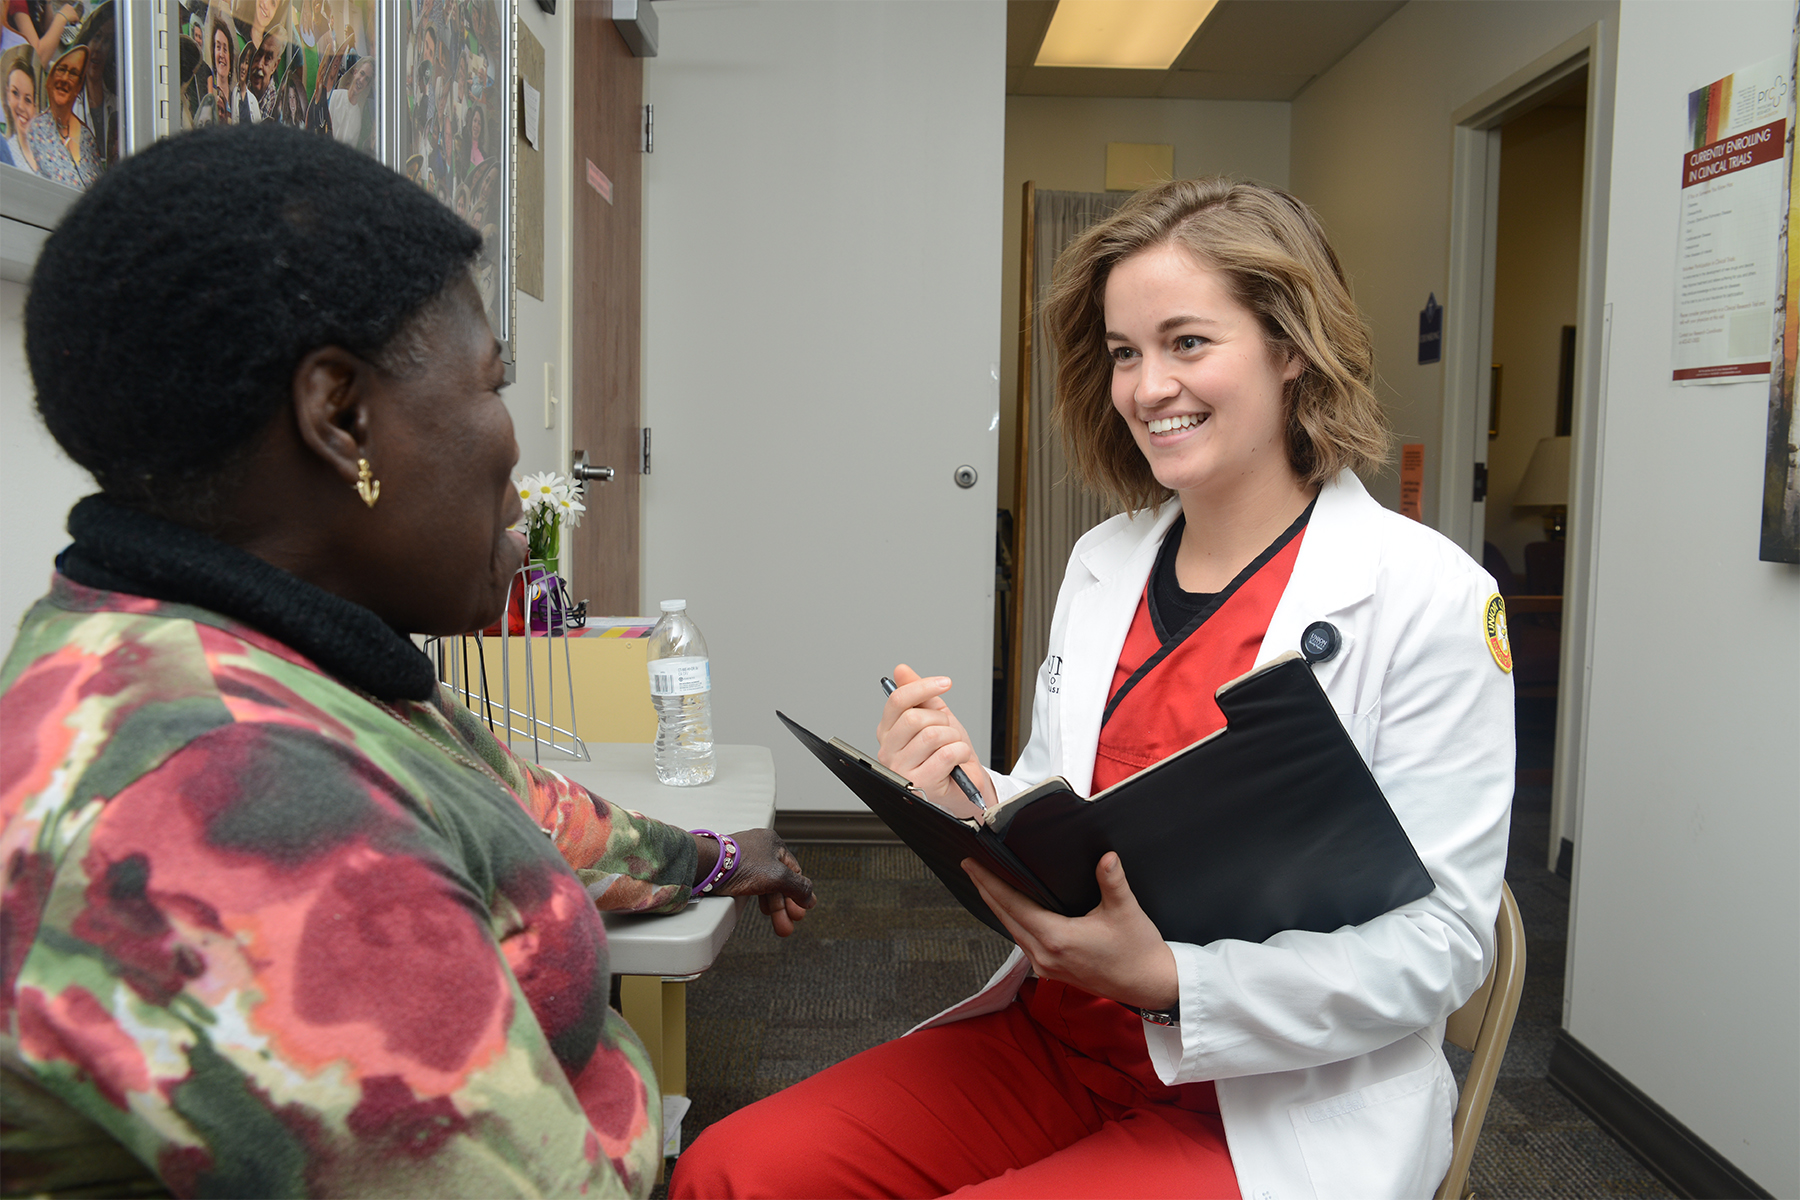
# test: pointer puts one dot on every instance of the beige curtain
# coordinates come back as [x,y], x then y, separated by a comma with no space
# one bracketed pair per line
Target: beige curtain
[1057,509]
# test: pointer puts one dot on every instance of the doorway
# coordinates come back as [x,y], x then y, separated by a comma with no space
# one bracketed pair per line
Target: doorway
[1540,305]
[1537,256]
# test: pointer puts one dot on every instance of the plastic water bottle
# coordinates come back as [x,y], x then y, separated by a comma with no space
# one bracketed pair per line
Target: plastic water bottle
[681,689]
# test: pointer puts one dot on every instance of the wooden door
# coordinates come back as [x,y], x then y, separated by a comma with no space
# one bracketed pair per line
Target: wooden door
[608,85]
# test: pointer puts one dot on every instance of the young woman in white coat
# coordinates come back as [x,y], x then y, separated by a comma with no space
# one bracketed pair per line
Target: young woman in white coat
[1215,380]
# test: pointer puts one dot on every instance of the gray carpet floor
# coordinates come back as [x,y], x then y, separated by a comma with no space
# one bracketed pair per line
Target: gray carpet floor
[887,947]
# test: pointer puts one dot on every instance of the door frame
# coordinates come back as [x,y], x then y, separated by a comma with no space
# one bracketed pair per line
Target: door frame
[1468,348]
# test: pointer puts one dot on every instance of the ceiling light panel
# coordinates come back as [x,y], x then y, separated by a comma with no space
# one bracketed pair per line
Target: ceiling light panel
[1142,34]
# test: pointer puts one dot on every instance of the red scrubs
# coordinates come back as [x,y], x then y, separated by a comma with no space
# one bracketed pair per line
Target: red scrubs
[1055,1095]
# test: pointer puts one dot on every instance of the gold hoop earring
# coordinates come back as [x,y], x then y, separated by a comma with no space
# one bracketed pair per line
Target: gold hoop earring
[367,486]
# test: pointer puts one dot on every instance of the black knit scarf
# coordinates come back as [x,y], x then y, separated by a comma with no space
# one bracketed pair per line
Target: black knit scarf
[118,549]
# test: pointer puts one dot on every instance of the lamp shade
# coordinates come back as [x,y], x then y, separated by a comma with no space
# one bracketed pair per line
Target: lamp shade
[1546,482]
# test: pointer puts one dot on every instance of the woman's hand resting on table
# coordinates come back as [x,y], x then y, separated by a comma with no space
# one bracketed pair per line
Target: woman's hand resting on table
[766,869]
[922,740]
[1114,951]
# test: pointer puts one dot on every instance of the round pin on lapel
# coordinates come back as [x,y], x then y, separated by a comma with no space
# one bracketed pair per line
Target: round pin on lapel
[1320,642]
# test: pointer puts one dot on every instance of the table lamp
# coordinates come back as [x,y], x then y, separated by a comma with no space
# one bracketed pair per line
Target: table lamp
[1546,485]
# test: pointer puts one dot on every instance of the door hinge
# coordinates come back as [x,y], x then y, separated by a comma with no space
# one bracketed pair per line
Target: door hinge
[1480,482]
[646,460]
[649,129]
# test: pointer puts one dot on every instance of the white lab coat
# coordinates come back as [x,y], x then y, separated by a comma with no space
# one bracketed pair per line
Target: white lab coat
[1326,1047]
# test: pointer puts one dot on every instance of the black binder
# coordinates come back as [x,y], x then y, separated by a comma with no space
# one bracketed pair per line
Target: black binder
[1271,823]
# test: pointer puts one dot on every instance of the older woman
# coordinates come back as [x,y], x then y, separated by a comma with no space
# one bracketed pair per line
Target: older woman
[60,142]
[281,917]
[1215,382]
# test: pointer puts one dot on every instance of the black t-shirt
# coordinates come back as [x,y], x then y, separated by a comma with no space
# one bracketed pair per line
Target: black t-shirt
[1174,610]
[1171,606]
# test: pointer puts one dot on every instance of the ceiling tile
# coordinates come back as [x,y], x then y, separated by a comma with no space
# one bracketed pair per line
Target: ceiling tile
[1222,85]
[1286,37]
[1026,21]
[1245,50]
[1083,81]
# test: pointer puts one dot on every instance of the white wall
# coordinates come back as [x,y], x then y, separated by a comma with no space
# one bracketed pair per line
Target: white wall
[1059,143]
[821,271]
[1371,152]
[38,483]
[1684,970]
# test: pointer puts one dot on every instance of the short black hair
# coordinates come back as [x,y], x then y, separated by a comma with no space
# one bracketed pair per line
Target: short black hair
[170,308]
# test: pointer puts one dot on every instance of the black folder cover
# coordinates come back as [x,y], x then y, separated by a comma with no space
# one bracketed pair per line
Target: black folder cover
[1272,823]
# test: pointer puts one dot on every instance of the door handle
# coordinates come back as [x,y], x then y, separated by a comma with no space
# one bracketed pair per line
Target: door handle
[583,471]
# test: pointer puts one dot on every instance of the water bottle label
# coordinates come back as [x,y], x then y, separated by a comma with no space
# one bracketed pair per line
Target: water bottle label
[683,676]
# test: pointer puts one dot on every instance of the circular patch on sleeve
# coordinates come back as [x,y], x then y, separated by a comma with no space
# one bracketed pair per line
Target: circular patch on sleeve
[1493,623]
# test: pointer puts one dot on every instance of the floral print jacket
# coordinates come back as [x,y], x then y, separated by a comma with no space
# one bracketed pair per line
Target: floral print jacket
[275,936]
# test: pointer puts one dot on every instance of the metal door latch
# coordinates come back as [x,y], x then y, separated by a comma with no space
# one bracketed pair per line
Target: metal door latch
[583,471]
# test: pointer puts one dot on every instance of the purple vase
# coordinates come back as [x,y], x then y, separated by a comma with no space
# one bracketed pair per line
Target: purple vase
[546,600]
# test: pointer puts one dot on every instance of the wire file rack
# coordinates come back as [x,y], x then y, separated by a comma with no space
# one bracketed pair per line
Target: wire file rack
[546,696]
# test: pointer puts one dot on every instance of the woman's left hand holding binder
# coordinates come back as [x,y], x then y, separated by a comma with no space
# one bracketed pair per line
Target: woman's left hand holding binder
[1114,951]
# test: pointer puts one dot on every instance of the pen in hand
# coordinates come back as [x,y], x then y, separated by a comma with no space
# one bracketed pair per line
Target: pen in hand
[956,773]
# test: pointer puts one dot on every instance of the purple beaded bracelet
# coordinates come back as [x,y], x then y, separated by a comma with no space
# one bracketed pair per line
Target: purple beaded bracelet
[722,870]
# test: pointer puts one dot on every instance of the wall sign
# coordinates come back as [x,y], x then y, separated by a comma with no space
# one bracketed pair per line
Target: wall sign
[1731,192]
[1412,480]
[1431,331]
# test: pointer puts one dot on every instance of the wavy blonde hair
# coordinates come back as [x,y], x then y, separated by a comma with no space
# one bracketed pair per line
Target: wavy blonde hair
[1271,252]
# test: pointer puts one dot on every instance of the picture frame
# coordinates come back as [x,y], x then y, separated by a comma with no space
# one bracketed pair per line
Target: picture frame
[318,65]
[453,63]
[62,99]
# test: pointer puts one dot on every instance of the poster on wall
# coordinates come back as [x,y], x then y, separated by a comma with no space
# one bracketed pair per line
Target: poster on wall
[60,79]
[1731,192]
[312,64]
[455,126]
[1781,463]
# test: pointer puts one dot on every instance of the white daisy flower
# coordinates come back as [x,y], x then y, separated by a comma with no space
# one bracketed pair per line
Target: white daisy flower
[534,492]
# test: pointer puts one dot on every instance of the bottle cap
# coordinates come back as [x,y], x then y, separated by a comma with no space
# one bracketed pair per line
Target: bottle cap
[674,605]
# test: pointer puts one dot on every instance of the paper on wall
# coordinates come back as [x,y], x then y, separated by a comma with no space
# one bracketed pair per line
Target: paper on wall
[1725,264]
[533,103]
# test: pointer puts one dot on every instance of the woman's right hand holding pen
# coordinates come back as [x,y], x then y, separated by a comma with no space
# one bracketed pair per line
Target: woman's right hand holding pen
[921,739]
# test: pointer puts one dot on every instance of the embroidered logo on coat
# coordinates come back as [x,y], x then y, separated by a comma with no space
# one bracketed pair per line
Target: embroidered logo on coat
[1053,674]
[1493,623]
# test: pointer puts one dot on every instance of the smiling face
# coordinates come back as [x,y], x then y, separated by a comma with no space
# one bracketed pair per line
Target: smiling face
[21,98]
[221,57]
[441,442]
[1194,378]
[65,79]
[262,63]
[362,78]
